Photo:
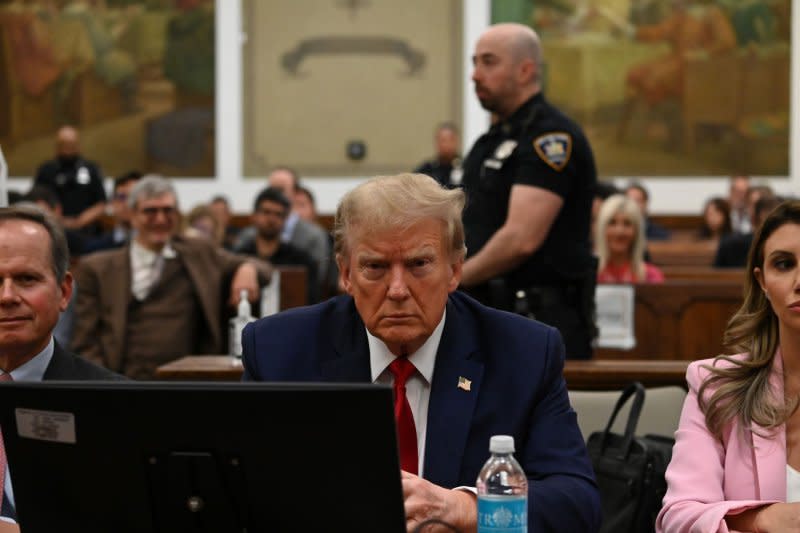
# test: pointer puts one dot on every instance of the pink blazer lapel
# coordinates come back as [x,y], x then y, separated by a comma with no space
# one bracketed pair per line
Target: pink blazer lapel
[769,448]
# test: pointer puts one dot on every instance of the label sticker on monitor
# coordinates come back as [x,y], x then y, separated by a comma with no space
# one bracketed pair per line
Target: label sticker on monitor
[50,426]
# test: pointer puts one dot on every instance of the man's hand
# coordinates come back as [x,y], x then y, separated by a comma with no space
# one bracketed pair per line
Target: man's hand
[245,278]
[424,501]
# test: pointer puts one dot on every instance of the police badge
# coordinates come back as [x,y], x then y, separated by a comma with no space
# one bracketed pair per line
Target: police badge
[555,149]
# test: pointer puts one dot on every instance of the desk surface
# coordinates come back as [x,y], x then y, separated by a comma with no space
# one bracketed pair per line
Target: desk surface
[580,375]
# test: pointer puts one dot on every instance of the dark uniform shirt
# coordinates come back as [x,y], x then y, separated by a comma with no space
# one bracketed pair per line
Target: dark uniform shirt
[540,147]
[447,174]
[77,182]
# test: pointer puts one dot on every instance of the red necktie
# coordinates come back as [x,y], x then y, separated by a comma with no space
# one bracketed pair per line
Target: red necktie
[402,368]
[3,377]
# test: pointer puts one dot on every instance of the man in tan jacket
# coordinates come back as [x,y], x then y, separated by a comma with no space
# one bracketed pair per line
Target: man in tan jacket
[160,297]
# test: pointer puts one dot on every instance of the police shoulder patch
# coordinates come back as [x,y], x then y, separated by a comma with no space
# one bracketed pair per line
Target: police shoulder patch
[555,148]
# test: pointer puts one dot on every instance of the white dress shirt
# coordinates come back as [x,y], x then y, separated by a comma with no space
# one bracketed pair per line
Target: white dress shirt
[146,267]
[418,385]
[32,370]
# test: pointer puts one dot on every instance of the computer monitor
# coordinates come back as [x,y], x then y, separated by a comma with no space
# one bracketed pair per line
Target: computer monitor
[202,457]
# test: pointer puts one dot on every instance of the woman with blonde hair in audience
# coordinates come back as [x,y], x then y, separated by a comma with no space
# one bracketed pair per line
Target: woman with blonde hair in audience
[202,223]
[620,244]
[737,452]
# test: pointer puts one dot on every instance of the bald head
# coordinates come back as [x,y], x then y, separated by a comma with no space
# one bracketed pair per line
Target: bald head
[523,42]
[67,142]
[507,63]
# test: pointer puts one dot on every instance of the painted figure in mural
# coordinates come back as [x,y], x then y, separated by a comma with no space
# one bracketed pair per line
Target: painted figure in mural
[691,28]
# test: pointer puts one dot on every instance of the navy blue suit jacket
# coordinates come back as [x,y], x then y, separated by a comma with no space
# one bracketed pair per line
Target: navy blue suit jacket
[517,388]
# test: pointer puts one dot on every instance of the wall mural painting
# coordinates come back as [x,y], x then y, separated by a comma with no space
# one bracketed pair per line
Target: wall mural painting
[135,76]
[669,87]
[348,87]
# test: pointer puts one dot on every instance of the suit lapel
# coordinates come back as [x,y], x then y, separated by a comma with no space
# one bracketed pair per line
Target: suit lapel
[118,293]
[60,365]
[769,446]
[350,359]
[451,406]
[198,271]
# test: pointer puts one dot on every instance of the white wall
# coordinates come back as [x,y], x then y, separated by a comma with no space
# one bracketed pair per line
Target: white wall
[668,195]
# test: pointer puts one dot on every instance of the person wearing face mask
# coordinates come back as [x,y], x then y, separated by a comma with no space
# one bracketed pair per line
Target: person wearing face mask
[77,182]
[620,244]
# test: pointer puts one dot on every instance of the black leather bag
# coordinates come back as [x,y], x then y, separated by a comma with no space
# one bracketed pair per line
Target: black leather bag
[630,470]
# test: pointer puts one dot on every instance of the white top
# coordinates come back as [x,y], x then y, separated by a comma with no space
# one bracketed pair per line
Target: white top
[792,485]
[418,385]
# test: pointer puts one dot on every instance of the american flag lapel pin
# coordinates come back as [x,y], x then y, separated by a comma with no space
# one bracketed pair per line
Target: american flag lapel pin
[464,383]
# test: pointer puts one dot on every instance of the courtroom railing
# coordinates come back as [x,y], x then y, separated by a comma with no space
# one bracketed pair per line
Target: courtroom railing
[580,375]
[680,319]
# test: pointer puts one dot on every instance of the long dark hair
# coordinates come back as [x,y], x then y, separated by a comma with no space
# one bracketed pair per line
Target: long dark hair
[722,205]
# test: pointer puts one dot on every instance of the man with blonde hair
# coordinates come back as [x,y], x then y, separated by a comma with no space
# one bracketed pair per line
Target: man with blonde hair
[461,371]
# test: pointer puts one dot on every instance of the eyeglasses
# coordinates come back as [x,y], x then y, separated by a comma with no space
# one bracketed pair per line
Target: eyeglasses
[151,212]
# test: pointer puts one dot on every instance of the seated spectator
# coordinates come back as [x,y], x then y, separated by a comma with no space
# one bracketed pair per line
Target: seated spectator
[445,165]
[222,210]
[306,236]
[602,191]
[732,250]
[754,194]
[121,232]
[653,232]
[161,296]
[737,198]
[716,220]
[734,464]
[304,204]
[201,223]
[620,244]
[270,211]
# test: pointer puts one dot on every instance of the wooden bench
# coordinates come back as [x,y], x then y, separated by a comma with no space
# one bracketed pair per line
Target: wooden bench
[702,273]
[680,252]
[680,319]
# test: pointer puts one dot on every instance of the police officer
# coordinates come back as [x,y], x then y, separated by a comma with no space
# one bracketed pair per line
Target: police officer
[529,182]
[77,182]
[445,167]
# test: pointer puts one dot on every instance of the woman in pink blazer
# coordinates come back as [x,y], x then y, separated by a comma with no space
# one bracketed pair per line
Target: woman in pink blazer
[737,449]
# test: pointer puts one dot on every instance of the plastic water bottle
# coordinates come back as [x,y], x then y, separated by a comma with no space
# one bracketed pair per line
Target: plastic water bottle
[244,316]
[502,490]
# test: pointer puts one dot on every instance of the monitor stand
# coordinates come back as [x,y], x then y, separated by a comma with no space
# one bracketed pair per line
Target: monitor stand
[197,492]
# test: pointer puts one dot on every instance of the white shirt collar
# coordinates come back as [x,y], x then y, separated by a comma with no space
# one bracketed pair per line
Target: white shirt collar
[423,359]
[142,255]
[34,369]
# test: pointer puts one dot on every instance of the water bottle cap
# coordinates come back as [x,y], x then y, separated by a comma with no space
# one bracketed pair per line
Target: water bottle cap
[501,444]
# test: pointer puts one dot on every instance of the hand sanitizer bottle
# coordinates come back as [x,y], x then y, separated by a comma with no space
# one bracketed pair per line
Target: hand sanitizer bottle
[243,317]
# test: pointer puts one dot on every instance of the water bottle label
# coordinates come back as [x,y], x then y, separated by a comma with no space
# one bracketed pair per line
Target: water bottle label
[502,514]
